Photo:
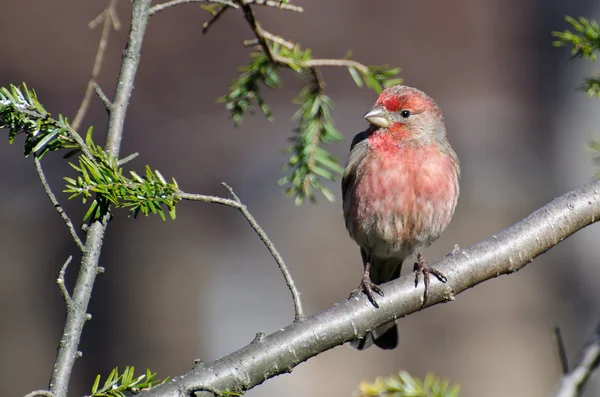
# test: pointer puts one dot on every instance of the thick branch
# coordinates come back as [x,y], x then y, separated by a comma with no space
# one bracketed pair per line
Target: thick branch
[77,313]
[503,253]
[572,383]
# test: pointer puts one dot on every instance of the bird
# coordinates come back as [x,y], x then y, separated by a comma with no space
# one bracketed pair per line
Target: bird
[400,188]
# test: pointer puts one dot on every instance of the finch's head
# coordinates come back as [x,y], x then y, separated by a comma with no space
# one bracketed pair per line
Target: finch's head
[407,109]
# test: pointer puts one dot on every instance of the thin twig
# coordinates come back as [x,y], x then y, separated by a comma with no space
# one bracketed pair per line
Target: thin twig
[127,159]
[40,393]
[573,382]
[276,4]
[61,284]
[238,205]
[264,36]
[172,3]
[56,204]
[562,352]
[109,17]
[252,43]
[258,31]
[277,39]
[103,98]
[206,25]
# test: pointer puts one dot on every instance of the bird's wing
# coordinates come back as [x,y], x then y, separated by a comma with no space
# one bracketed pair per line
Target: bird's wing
[358,150]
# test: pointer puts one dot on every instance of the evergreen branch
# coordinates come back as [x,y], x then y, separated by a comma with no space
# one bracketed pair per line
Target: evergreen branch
[22,113]
[405,385]
[105,182]
[309,164]
[237,204]
[584,41]
[117,385]
[109,17]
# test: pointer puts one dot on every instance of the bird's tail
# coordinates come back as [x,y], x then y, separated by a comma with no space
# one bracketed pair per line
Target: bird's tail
[385,336]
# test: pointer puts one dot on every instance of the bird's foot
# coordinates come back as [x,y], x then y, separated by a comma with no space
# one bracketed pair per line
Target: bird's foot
[423,267]
[367,287]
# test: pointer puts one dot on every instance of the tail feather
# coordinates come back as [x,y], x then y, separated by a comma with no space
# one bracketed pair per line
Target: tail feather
[384,337]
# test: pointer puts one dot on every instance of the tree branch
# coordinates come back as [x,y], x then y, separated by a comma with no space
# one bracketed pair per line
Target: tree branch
[504,253]
[61,284]
[262,36]
[40,393]
[238,205]
[206,25]
[276,4]
[56,204]
[103,98]
[572,383]
[562,352]
[109,16]
[172,3]
[89,269]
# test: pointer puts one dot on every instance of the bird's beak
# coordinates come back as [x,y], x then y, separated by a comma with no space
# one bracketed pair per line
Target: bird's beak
[378,117]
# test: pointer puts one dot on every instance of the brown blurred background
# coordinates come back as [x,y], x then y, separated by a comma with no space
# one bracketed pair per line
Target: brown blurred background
[202,286]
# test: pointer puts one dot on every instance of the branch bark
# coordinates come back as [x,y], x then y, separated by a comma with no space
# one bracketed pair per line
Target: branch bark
[504,253]
[77,312]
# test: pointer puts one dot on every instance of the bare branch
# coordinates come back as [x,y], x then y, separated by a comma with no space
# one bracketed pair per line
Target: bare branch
[276,4]
[562,352]
[103,98]
[172,3]
[127,159]
[277,39]
[56,204]
[504,253]
[238,205]
[89,269]
[61,284]
[40,393]
[572,383]
[109,17]
[206,25]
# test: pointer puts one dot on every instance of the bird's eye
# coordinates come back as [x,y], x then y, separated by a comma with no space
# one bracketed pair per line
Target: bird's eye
[405,113]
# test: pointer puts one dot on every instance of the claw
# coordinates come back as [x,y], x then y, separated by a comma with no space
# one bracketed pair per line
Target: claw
[423,267]
[367,287]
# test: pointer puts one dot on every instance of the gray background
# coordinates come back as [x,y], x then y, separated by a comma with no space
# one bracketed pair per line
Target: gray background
[202,286]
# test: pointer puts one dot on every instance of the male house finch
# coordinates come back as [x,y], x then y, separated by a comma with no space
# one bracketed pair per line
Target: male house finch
[399,191]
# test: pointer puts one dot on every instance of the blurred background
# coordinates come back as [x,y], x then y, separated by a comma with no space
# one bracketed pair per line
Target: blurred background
[202,286]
